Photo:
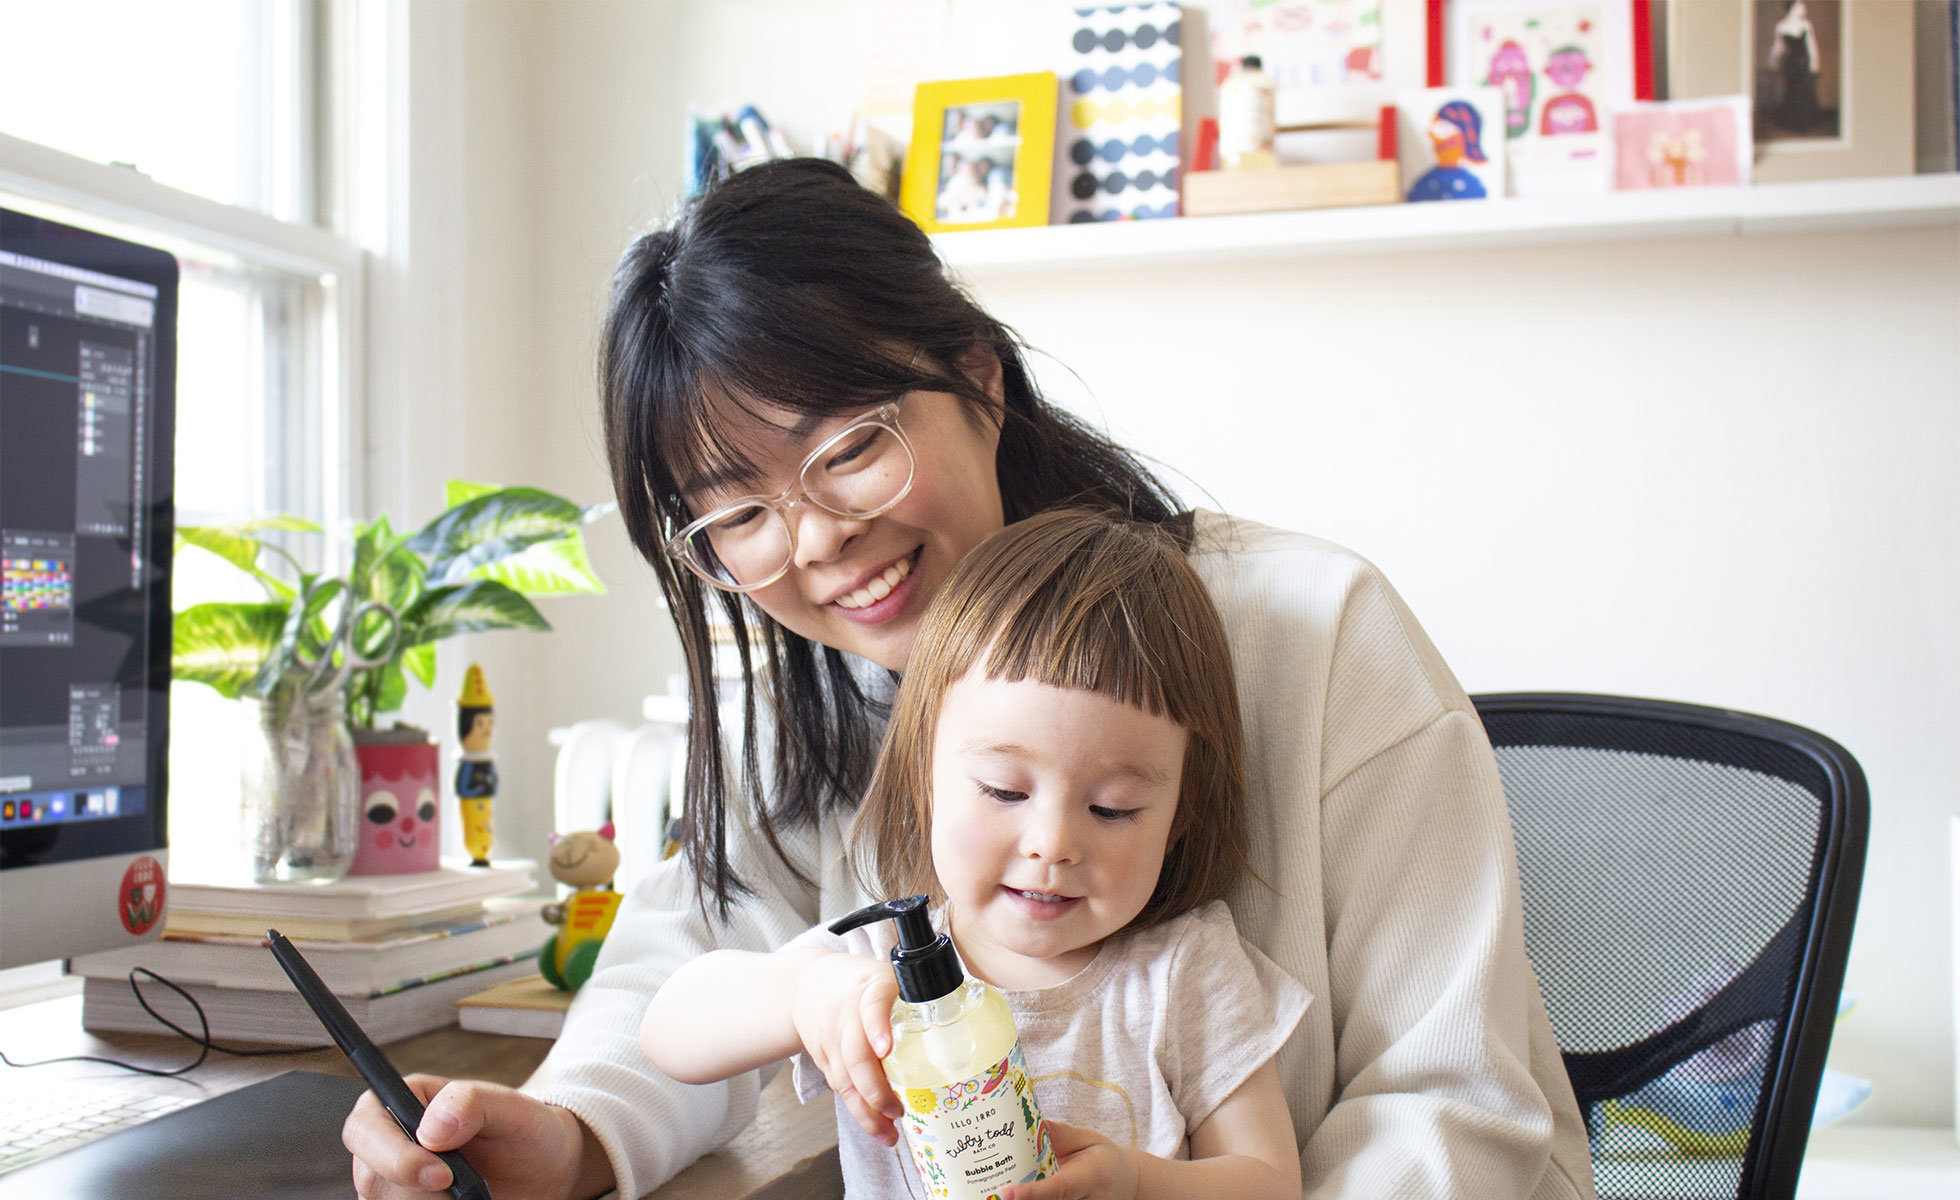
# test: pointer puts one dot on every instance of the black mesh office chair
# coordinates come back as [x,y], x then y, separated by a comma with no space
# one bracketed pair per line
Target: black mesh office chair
[1690,876]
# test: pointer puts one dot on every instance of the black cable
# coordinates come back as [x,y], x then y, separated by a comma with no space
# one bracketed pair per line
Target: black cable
[202,1041]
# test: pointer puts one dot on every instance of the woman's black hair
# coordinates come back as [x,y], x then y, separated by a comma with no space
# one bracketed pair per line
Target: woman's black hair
[789,284]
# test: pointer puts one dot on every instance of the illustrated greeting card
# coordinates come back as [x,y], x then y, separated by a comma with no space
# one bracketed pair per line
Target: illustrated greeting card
[1684,143]
[1450,142]
[1563,69]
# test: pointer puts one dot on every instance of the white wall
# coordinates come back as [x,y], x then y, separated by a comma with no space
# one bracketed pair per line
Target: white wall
[1704,469]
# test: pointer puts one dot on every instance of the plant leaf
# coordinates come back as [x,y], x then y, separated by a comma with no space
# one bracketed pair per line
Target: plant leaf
[385,571]
[420,661]
[558,567]
[393,689]
[240,545]
[469,608]
[224,645]
[458,490]
[494,526]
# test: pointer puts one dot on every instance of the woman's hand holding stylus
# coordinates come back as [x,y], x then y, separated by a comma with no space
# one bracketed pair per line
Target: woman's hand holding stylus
[842,1010]
[524,1148]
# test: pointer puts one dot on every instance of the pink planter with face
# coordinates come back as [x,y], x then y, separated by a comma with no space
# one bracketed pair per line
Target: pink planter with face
[400,807]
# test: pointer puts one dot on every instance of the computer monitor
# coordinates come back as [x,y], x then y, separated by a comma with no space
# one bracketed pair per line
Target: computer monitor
[87,404]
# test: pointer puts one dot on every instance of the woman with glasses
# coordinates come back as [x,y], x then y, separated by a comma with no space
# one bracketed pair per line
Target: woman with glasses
[808,424]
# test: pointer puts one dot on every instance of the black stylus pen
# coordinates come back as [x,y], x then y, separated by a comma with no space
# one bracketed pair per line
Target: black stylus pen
[389,1086]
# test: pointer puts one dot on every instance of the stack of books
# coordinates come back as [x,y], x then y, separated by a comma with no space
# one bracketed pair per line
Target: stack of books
[398,950]
[527,1007]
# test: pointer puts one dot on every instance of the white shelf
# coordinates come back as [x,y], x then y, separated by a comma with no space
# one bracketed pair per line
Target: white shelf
[1406,228]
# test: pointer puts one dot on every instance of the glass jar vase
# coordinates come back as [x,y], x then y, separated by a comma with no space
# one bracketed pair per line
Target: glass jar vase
[302,794]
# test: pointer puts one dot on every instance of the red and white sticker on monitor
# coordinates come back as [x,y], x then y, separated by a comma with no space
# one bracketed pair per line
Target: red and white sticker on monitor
[140,902]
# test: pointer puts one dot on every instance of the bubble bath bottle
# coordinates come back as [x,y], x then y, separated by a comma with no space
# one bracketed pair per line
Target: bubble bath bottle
[970,1116]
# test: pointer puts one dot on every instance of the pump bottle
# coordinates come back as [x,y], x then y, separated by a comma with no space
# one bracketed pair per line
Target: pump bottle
[1245,117]
[955,1062]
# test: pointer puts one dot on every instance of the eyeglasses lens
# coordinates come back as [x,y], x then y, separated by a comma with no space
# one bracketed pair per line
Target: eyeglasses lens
[860,474]
[742,546]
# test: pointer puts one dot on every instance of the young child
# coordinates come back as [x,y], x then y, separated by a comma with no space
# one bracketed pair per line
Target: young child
[1063,774]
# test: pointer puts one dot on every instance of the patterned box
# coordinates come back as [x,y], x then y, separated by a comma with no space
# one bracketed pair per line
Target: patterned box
[1120,116]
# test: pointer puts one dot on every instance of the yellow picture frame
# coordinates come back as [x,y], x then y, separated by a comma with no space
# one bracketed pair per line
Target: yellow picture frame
[982,153]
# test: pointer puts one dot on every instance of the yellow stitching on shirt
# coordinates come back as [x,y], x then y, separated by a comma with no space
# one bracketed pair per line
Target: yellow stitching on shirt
[1079,1077]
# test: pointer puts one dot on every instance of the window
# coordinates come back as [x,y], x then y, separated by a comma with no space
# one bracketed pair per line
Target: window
[223,170]
[106,80]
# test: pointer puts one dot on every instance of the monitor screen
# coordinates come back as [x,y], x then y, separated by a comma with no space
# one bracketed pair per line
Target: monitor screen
[87,383]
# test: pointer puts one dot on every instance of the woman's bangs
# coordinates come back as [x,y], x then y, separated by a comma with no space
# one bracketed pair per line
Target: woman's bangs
[702,446]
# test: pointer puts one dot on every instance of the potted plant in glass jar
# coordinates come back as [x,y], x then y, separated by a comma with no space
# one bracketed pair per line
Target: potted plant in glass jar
[327,656]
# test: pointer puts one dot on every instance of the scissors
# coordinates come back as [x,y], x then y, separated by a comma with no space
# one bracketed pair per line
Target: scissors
[325,673]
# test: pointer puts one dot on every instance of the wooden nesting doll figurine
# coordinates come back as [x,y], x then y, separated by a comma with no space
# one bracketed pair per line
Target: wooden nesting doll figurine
[586,862]
[476,770]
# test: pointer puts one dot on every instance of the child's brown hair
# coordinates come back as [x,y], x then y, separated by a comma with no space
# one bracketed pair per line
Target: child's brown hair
[1084,600]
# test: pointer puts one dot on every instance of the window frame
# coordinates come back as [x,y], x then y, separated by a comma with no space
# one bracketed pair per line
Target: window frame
[380,77]
[329,398]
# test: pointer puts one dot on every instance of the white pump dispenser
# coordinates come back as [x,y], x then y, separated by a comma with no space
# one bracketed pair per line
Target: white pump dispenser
[955,1062]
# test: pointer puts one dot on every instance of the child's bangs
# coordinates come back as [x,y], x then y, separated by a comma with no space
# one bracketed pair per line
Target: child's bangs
[1082,626]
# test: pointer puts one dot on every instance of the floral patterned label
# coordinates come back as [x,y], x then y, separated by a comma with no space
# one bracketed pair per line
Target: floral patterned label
[969,1139]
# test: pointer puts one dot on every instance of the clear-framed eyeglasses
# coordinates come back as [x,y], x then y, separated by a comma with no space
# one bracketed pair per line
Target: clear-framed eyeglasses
[858,473]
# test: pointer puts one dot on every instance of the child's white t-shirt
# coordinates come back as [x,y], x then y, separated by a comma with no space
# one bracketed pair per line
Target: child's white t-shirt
[1141,1045]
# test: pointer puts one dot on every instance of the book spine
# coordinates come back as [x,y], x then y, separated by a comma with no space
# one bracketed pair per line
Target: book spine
[439,976]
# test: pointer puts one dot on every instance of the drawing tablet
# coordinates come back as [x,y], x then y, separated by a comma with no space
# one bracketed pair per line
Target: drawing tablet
[278,1139]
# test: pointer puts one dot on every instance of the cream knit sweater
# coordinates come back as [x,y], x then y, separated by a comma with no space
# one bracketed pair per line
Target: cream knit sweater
[1425,1066]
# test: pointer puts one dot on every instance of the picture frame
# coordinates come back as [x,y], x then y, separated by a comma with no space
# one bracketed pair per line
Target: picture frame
[1629,27]
[1335,63]
[1565,66]
[1861,93]
[982,153]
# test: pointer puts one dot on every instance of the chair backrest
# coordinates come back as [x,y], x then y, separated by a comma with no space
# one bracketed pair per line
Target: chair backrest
[1690,876]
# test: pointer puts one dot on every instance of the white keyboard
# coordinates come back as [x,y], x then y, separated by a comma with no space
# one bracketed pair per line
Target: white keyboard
[38,1124]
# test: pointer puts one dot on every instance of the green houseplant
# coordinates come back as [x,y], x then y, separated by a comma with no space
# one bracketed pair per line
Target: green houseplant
[475,567]
[326,655]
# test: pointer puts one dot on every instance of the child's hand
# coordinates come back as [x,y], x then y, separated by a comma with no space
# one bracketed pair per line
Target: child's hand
[843,1014]
[1091,1167]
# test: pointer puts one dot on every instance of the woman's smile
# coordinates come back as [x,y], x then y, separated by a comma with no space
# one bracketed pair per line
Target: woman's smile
[884,595]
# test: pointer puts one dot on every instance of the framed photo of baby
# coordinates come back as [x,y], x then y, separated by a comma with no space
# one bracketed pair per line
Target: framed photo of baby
[1830,81]
[982,154]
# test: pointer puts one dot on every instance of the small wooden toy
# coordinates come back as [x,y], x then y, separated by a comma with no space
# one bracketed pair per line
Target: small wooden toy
[476,770]
[586,862]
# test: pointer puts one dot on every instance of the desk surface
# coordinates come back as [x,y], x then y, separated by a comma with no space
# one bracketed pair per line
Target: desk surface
[785,1153]
[789,1151]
